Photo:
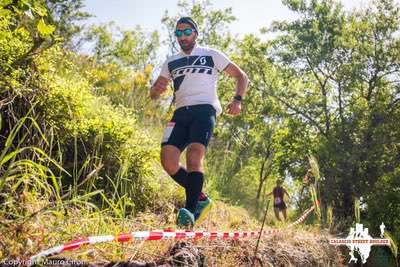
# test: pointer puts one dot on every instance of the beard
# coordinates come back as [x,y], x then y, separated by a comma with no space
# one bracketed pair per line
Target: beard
[187,45]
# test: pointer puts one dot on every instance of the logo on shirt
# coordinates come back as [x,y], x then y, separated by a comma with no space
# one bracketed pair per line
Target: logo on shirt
[179,68]
[203,60]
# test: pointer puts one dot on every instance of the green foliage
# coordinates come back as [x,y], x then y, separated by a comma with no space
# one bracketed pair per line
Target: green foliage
[26,164]
[393,244]
[121,68]
[14,44]
[100,145]
[44,29]
[340,70]
[89,128]
[133,49]
[357,210]
[314,168]
[383,204]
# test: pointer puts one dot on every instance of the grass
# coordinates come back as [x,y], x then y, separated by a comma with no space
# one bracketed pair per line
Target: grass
[66,223]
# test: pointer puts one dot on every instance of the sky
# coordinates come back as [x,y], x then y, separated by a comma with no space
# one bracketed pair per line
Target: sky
[251,14]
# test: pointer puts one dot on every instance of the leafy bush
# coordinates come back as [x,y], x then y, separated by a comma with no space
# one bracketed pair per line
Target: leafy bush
[91,131]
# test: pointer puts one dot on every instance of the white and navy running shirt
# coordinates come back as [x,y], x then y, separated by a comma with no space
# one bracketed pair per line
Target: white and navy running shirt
[195,76]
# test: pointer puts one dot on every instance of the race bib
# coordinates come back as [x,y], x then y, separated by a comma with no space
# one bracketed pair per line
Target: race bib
[168,131]
[278,200]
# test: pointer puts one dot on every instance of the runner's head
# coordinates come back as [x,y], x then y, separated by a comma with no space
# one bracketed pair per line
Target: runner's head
[279,182]
[186,32]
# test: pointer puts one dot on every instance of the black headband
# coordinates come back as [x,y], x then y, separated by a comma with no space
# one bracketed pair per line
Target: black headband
[187,20]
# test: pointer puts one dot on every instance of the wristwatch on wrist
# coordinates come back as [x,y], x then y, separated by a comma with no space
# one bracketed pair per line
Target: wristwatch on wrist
[238,98]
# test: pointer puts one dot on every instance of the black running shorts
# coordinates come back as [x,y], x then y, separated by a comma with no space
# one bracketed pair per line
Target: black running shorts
[280,206]
[190,124]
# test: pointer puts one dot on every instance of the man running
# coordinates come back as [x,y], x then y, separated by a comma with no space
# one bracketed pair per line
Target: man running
[194,72]
[279,204]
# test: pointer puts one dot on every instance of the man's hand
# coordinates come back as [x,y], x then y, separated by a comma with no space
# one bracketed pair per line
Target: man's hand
[234,108]
[159,87]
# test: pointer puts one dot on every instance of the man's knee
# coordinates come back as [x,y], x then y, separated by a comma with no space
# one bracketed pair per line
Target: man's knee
[194,157]
[170,159]
[169,166]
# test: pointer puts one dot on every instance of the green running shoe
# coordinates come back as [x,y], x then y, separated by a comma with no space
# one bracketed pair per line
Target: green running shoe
[203,207]
[185,218]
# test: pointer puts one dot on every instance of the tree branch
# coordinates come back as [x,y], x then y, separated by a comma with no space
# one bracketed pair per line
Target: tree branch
[299,112]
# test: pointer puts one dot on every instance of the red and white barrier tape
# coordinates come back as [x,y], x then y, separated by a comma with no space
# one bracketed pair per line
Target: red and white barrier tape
[158,235]
[302,217]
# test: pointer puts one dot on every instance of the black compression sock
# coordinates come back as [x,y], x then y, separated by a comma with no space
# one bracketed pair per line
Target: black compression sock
[193,190]
[181,177]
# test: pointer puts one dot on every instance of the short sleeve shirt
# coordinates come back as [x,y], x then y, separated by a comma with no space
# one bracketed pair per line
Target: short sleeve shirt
[195,76]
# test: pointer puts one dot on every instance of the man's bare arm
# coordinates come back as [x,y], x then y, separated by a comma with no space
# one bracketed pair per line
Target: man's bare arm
[241,85]
[159,87]
[241,78]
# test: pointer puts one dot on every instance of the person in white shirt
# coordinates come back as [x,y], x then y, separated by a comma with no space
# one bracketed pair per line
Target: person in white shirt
[194,72]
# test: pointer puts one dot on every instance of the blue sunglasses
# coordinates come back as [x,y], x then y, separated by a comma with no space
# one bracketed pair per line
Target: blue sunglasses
[187,32]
